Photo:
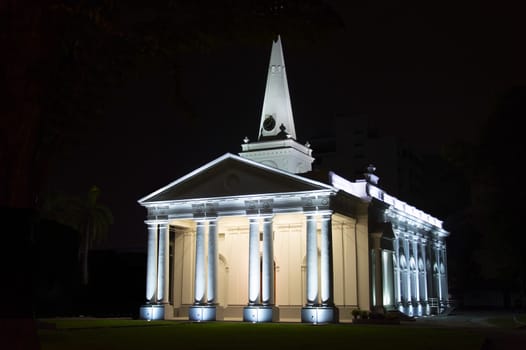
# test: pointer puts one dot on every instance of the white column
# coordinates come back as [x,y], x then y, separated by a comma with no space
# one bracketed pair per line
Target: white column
[424,295]
[398,292]
[403,271]
[253,261]
[445,291]
[200,274]
[267,289]
[212,262]
[439,273]
[326,273]
[162,264]
[430,273]
[377,277]
[414,243]
[407,270]
[151,263]
[312,261]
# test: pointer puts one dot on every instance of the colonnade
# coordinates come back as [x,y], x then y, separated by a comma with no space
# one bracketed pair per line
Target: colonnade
[420,274]
[319,306]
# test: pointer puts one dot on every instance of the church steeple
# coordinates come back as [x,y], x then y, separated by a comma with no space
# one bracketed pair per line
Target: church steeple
[276,116]
[277,145]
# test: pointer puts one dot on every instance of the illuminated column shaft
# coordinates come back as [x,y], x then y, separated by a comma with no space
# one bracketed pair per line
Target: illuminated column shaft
[151,264]
[326,260]
[438,274]
[416,287]
[200,274]
[267,291]
[429,270]
[378,291]
[424,295]
[253,262]
[403,272]
[212,263]
[396,246]
[312,261]
[162,266]
[407,281]
[445,292]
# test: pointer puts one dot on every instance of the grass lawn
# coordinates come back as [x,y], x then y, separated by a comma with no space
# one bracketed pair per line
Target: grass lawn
[510,321]
[134,334]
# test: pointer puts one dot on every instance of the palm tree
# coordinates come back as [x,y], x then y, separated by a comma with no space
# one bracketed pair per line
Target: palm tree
[87,216]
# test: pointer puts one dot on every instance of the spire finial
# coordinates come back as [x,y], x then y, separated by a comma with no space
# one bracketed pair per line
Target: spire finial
[370,176]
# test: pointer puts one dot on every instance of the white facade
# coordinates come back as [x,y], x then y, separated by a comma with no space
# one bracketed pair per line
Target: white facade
[248,238]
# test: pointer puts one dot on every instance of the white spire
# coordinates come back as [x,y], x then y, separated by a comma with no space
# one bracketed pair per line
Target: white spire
[277,109]
[277,145]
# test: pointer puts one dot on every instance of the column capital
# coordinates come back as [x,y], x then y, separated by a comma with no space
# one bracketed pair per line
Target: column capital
[156,222]
[205,219]
[318,213]
[376,235]
[256,207]
[325,213]
[200,221]
[253,218]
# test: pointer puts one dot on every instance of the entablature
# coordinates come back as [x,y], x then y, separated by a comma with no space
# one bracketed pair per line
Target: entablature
[279,203]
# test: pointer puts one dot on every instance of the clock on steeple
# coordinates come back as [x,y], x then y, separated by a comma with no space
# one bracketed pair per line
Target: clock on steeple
[269,123]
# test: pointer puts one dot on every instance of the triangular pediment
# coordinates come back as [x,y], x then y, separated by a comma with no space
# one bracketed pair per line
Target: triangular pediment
[233,176]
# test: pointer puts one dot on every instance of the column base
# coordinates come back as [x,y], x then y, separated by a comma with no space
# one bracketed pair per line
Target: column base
[427,309]
[380,309]
[419,310]
[201,313]
[319,314]
[260,313]
[152,312]
[410,309]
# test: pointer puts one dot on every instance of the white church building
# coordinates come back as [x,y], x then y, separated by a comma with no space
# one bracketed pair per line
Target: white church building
[261,237]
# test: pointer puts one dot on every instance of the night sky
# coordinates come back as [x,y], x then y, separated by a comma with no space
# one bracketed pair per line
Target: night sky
[431,75]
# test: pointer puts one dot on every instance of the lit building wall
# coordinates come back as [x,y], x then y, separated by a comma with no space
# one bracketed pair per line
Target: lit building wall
[362,257]
[388,279]
[234,249]
[289,250]
[350,265]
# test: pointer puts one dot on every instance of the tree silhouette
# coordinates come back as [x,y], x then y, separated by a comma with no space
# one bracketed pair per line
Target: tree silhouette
[65,57]
[500,194]
[490,228]
[87,216]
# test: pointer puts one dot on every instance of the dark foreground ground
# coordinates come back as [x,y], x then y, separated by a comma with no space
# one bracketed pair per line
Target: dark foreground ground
[500,330]
[459,330]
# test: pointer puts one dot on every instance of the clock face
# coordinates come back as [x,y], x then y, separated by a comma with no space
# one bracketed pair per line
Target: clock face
[269,123]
